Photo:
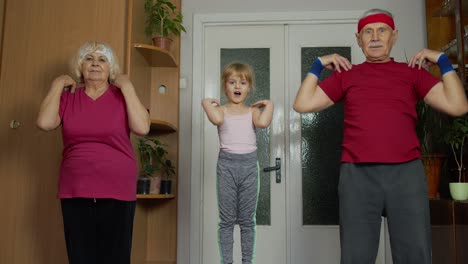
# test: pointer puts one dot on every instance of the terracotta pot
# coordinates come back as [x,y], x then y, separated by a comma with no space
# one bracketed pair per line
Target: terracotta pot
[432,167]
[163,43]
[155,185]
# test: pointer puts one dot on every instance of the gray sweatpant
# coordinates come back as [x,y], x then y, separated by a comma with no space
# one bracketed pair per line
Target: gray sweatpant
[399,191]
[237,189]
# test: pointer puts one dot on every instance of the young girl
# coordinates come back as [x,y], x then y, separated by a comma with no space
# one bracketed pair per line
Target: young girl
[237,169]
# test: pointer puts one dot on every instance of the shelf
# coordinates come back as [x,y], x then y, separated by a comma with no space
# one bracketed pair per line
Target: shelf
[155,196]
[159,126]
[160,262]
[451,48]
[448,9]
[156,57]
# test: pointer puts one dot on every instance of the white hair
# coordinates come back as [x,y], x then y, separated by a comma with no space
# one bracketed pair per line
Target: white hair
[95,47]
[376,11]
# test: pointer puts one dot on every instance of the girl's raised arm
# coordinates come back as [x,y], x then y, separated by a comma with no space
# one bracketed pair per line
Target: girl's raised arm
[213,111]
[262,119]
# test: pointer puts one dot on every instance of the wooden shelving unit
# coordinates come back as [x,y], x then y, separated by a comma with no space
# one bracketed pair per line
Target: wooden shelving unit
[454,11]
[155,196]
[155,56]
[448,7]
[150,67]
[449,220]
[161,126]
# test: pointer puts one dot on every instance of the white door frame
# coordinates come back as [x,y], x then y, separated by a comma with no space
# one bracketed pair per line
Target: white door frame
[200,22]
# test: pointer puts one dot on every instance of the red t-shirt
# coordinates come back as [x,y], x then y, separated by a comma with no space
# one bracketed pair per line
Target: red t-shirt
[98,158]
[380,110]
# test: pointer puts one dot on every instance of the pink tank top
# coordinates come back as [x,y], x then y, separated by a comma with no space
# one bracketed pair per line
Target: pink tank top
[237,133]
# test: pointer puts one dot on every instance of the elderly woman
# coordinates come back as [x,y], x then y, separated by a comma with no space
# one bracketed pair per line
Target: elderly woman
[97,183]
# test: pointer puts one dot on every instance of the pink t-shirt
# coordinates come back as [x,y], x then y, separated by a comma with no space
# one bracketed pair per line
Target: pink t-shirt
[237,133]
[380,110]
[98,158]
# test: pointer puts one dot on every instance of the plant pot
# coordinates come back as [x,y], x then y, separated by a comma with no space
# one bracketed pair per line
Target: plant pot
[163,43]
[166,187]
[155,185]
[432,167]
[459,190]
[143,185]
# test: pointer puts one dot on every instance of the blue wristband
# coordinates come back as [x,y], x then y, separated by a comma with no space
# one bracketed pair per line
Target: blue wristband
[444,64]
[316,68]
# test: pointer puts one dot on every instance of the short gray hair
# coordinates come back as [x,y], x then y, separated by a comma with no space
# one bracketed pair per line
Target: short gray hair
[98,47]
[376,11]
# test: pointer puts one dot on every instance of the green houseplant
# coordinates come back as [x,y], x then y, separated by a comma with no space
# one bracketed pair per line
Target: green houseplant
[163,21]
[455,138]
[430,127]
[151,153]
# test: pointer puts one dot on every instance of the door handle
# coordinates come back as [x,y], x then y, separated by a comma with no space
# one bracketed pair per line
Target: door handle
[14,124]
[276,168]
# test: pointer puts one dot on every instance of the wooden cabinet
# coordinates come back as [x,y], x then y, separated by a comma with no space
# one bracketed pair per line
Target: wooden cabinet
[449,220]
[155,74]
[445,20]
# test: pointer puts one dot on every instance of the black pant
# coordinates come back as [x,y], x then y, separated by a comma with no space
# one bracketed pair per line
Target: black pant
[98,231]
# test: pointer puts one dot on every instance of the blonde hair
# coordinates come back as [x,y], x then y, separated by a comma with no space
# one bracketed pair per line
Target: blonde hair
[238,69]
[95,47]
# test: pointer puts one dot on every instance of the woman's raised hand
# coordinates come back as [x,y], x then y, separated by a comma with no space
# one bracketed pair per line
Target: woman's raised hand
[64,82]
[122,81]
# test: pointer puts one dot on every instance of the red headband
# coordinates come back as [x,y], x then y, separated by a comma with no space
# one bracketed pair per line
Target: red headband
[381,17]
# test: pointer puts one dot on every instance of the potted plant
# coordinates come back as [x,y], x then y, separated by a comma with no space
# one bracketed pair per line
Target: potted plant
[167,170]
[149,149]
[163,21]
[430,127]
[455,138]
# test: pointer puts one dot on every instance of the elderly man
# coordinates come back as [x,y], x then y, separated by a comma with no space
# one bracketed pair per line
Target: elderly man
[381,172]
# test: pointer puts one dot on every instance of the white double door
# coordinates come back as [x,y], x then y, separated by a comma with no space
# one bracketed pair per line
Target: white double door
[284,239]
